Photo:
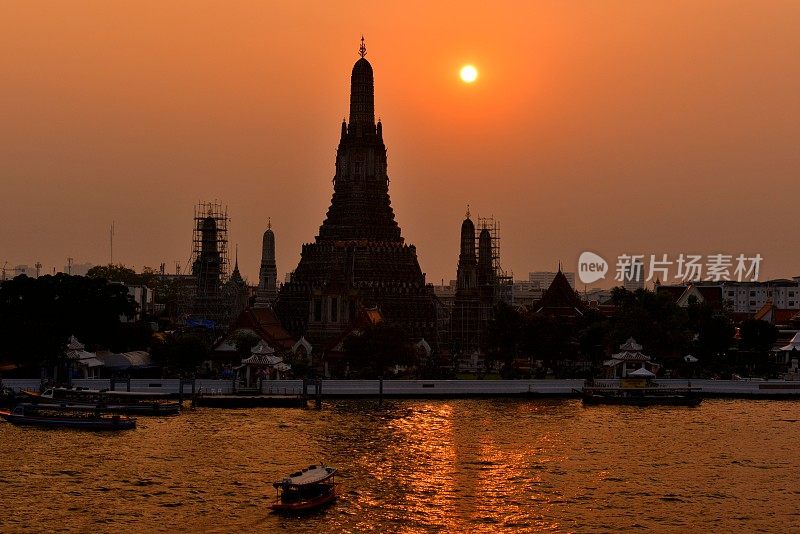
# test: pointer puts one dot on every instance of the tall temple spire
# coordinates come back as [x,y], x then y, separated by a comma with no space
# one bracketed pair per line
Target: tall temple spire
[359,258]
[360,207]
[267,290]
[362,94]
[236,276]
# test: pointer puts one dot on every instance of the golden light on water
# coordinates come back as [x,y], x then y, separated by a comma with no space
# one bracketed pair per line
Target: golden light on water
[469,73]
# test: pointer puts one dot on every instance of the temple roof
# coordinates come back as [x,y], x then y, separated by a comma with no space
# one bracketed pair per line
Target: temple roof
[560,294]
[630,345]
[266,325]
[772,314]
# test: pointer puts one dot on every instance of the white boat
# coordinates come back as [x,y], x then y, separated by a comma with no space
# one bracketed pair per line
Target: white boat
[305,490]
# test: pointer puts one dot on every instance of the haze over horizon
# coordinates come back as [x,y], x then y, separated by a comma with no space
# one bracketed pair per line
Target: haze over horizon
[616,127]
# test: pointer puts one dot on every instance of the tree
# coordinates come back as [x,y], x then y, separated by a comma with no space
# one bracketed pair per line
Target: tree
[181,353]
[756,340]
[653,319]
[114,273]
[378,347]
[503,335]
[547,338]
[244,340]
[758,336]
[38,315]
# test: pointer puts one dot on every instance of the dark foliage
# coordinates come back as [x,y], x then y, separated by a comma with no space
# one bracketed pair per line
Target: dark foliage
[181,354]
[37,316]
[377,348]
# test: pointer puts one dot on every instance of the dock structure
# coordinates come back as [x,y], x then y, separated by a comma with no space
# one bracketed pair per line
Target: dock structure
[251,401]
[431,389]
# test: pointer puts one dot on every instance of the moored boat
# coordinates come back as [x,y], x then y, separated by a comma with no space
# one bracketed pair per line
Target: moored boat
[120,402]
[306,490]
[31,415]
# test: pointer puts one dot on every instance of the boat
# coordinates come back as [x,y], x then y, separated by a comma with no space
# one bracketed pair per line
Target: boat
[639,389]
[120,402]
[306,490]
[33,415]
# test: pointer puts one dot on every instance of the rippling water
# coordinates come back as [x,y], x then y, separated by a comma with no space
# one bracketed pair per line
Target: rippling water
[419,466]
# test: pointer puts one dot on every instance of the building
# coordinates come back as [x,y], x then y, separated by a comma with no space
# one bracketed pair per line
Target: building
[235,293]
[207,270]
[267,291]
[479,286]
[683,295]
[465,324]
[560,299]
[359,258]
[749,297]
[543,279]
[741,298]
[76,269]
[629,360]
[446,294]
[525,294]
[633,275]
[144,297]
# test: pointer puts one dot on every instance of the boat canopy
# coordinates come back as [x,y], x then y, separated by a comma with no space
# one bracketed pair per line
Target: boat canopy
[313,475]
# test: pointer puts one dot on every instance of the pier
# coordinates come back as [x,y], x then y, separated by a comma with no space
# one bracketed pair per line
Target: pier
[299,393]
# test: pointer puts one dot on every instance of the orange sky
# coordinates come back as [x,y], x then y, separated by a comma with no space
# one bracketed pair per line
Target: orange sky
[638,127]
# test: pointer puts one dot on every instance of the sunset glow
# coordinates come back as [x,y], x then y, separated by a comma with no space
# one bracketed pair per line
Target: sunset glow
[469,73]
[619,111]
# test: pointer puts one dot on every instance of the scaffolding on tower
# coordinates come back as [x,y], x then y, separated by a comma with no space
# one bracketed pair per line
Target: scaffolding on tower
[503,280]
[210,262]
[219,213]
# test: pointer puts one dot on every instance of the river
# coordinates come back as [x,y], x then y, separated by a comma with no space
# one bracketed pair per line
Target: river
[419,466]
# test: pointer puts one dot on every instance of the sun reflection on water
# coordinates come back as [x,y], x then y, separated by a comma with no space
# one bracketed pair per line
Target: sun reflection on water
[418,466]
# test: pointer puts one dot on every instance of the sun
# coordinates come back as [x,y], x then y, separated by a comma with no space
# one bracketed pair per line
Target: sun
[469,73]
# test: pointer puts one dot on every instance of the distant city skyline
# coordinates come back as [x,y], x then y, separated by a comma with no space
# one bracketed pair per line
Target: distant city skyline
[658,129]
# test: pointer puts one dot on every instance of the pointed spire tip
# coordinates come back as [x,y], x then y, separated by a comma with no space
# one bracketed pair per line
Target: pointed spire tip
[362,50]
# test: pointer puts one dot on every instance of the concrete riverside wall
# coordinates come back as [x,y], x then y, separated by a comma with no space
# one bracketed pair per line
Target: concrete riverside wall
[428,388]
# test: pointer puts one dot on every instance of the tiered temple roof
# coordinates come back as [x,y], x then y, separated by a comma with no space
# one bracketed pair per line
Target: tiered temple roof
[359,257]
[560,299]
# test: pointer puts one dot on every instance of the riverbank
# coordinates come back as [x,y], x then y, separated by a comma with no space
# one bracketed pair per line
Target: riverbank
[434,389]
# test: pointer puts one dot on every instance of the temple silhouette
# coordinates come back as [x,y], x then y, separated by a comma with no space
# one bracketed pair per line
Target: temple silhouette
[359,259]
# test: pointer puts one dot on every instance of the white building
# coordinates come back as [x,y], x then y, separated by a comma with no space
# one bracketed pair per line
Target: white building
[749,297]
[633,276]
[525,293]
[543,279]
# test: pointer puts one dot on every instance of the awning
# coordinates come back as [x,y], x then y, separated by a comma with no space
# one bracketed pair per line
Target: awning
[257,359]
[262,349]
[794,344]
